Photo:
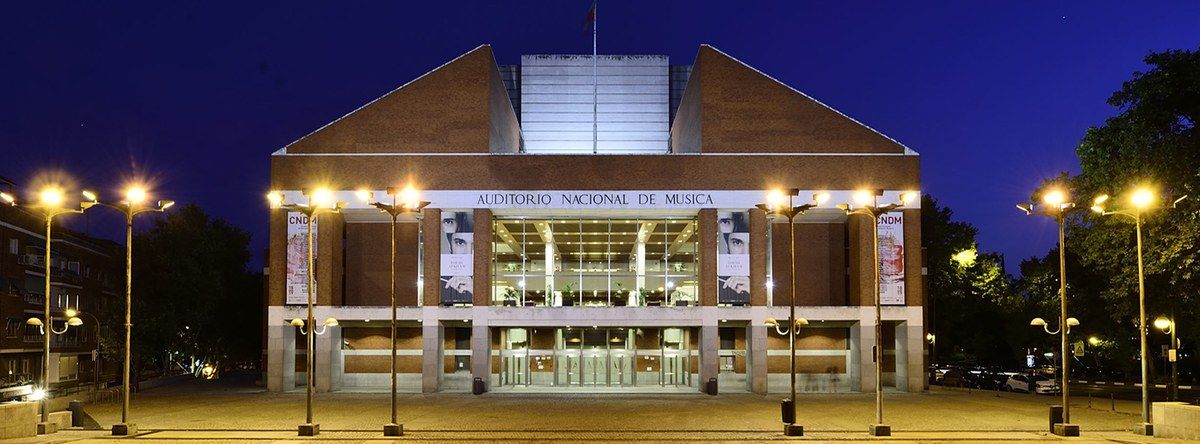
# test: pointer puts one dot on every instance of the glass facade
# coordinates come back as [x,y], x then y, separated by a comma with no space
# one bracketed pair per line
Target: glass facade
[594,262]
[593,357]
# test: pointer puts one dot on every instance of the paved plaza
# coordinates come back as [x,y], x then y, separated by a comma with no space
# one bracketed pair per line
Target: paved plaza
[210,411]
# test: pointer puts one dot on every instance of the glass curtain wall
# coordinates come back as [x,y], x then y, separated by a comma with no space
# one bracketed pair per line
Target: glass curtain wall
[594,262]
[592,357]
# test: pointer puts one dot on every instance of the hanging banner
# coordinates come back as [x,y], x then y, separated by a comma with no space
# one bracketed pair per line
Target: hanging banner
[733,258]
[891,259]
[458,257]
[297,259]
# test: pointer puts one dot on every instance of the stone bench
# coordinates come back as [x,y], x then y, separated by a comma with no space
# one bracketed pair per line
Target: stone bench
[18,420]
[1176,420]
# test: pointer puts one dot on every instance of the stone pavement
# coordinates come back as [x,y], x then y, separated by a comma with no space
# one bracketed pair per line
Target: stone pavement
[209,411]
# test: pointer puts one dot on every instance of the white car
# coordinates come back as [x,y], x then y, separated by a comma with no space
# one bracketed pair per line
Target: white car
[1032,384]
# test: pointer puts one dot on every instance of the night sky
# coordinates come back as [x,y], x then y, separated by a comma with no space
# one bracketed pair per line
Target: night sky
[197,95]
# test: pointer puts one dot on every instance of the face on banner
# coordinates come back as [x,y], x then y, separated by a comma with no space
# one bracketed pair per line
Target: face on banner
[458,257]
[297,258]
[733,257]
[891,259]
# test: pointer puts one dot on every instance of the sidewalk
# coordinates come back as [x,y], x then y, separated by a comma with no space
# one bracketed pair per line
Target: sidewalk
[209,411]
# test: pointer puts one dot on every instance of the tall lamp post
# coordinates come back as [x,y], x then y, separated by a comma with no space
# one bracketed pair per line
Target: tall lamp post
[133,205]
[409,204]
[1056,206]
[51,200]
[318,201]
[866,204]
[779,203]
[1167,325]
[1141,200]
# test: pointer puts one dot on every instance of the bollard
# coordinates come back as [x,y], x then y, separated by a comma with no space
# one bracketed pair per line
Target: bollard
[787,411]
[1089,400]
[1113,399]
[76,409]
[477,386]
[711,388]
[1056,416]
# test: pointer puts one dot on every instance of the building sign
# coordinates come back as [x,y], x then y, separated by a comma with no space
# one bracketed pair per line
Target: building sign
[458,257]
[297,259]
[594,200]
[733,257]
[891,259]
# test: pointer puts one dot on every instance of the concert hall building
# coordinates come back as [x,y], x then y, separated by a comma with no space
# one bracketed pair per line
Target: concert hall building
[547,261]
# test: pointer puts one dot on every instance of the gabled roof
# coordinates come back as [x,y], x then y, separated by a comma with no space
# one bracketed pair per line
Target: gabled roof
[730,107]
[459,107]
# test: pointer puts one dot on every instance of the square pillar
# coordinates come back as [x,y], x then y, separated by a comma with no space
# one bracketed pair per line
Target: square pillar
[431,256]
[859,289]
[431,355]
[865,365]
[710,361]
[706,222]
[329,266]
[281,358]
[328,360]
[482,280]
[756,358]
[910,357]
[481,353]
[758,257]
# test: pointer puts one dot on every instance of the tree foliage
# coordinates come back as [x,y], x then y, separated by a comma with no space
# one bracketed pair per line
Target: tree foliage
[193,297]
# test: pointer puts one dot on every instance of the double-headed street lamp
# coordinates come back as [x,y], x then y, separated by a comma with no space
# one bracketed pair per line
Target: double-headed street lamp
[408,203]
[1167,325]
[866,204]
[51,202]
[1055,205]
[133,204]
[1141,199]
[780,203]
[318,201]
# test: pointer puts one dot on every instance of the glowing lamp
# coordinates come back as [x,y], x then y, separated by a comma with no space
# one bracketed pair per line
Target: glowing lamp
[864,198]
[135,194]
[1162,323]
[275,198]
[51,196]
[1054,198]
[322,197]
[821,198]
[1142,198]
[364,195]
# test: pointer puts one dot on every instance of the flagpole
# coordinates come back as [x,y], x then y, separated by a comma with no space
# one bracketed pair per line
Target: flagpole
[595,82]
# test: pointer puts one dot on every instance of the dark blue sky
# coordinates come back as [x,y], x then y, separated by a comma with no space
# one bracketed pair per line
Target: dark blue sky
[197,95]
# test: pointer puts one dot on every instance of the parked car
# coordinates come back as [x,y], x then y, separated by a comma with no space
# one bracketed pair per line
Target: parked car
[1032,383]
[955,378]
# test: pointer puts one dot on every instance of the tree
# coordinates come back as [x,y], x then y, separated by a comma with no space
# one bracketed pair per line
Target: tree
[970,294]
[1153,140]
[193,298]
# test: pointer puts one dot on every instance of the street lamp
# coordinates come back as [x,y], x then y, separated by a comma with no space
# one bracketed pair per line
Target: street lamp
[866,204]
[1141,199]
[50,203]
[70,313]
[1167,325]
[779,203]
[1055,205]
[408,204]
[320,200]
[132,205]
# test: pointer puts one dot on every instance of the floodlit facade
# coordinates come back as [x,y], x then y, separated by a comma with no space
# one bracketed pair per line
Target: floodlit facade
[596,237]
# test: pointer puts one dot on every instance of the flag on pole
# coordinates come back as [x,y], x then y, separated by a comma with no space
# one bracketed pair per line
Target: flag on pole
[591,17]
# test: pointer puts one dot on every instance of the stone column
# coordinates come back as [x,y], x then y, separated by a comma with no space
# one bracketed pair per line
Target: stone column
[281,358]
[910,357]
[866,342]
[854,359]
[481,353]
[431,252]
[328,360]
[329,267]
[756,358]
[431,355]
[862,277]
[710,361]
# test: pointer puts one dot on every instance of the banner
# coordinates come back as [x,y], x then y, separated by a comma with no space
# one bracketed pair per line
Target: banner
[891,259]
[297,259]
[733,258]
[458,257]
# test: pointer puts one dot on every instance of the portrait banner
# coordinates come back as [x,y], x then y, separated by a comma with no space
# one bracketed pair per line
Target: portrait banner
[296,277]
[458,257]
[733,257]
[891,259]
